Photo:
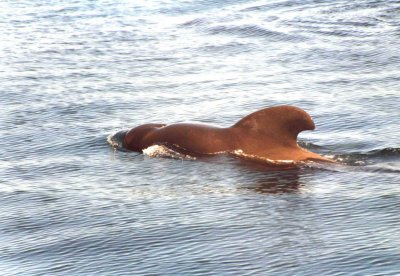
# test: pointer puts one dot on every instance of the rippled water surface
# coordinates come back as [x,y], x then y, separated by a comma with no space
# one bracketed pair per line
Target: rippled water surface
[74,72]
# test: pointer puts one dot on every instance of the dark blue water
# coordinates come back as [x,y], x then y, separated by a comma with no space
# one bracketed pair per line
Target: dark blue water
[74,72]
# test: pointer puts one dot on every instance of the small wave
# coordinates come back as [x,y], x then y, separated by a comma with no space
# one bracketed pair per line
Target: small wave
[194,22]
[309,145]
[275,5]
[385,152]
[363,156]
[253,31]
[231,47]
[390,167]
[374,160]
[349,159]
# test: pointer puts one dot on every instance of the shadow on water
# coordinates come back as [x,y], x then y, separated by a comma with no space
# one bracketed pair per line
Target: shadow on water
[265,178]
[276,182]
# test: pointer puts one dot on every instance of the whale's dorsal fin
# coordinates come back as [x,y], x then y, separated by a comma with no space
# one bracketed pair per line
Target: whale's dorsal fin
[281,123]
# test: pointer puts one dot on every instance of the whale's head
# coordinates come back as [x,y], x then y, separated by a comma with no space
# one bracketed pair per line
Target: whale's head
[135,139]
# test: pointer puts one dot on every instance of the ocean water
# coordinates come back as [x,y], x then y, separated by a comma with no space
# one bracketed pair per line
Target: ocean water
[72,73]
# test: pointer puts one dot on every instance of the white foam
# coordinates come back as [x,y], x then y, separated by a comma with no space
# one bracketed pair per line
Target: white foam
[116,139]
[163,151]
[240,153]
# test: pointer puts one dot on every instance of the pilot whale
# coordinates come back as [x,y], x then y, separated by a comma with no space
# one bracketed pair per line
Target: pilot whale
[268,134]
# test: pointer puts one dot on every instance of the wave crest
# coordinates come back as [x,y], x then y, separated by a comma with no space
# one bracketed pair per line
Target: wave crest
[385,152]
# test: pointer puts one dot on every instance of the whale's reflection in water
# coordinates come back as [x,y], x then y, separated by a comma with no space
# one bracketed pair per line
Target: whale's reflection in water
[264,178]
[277,182]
